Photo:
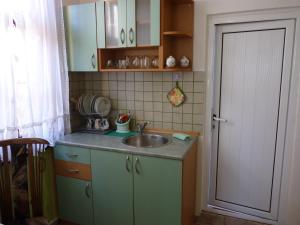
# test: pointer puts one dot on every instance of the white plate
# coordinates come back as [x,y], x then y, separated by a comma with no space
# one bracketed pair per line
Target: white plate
[102,106]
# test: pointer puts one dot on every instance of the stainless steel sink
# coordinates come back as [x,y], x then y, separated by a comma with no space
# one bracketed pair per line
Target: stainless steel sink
[146,140]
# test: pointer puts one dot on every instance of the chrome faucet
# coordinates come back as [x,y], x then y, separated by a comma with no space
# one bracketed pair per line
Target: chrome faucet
[141,127]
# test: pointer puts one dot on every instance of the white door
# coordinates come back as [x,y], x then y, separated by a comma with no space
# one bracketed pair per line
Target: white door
[251,89]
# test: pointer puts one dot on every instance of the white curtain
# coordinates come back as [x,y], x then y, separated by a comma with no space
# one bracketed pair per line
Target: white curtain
[33,72]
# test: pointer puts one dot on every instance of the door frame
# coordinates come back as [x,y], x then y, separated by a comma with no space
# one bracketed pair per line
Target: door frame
[293,107]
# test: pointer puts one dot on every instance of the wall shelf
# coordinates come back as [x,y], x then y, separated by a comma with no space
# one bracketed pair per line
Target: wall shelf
[179,34]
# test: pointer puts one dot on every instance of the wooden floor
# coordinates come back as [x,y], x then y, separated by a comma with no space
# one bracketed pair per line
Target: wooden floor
[210,219]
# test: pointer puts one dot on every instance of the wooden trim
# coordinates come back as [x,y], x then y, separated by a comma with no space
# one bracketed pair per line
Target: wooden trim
[167,131]
[189,186]
[71,169]
[179,34]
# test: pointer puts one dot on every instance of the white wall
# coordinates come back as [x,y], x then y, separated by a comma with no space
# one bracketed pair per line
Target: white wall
[209,7]
[203,9]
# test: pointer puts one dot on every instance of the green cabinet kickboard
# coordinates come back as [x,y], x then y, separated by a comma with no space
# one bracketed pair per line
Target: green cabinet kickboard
[80,26]
[113,188]
[73,203]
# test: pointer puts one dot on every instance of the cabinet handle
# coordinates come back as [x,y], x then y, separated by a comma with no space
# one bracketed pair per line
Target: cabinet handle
[136,165]
[122,36]
[73,170]
[87,190]
[71,155]
[93,61]
[127,162]
[131,35]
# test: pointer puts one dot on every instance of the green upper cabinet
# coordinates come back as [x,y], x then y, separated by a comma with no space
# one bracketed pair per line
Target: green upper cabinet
[74,200]
[80,26]
[113,188]
[157,191]
[128,23]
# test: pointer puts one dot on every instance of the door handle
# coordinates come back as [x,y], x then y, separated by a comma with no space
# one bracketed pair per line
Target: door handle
[215,118]
[73,170]
[87,190]
[71,155]
[136,165]
[127,162]
[122,36]
[131,35]
[93,61]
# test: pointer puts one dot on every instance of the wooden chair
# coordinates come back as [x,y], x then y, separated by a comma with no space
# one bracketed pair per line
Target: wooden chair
[21,180]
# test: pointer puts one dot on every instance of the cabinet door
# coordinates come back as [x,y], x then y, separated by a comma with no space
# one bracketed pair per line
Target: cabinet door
[113,188]
[157,191]
[148,22]
[122,12]
[131,19]
[74,200]
[80,25]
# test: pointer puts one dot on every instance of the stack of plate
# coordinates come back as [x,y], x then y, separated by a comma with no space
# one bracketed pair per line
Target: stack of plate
[93,105]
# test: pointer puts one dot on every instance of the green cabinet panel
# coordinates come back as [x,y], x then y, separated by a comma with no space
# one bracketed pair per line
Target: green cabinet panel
[157,191]
[75,200]
[155,22]
[113,188]
[100,14]
[122,12]
[80,26]
[131,26]
[73,154]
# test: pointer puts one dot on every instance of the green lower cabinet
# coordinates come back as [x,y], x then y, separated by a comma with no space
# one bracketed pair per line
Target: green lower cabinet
[112,188]
[74,200]
[157,191]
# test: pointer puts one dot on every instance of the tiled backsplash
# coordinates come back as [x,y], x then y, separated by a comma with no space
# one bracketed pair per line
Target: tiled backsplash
[144,94]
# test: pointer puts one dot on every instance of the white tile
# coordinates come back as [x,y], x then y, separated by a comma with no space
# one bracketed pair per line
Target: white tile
[138,76]
[177,118]
[177,126]
[139,96]
[148,86]
[129,86]
[189,97]
[167,76]
[148,96]
[139,115]
[157,106]
[187,127]
[113,94]
[167,86]
[138,86]
[121,85]
[198,108]
[113,85]
[130,105]
[167,117]
[122,105]
[167,125]
[147,76]
[112,76]
[177,109]
[157,96]
[198,98]
[188,76]
[167,107]
[157,76]
[187,118]
[121,95]
[139,105]
[130,95]
[157,116]
[199,87]
[199,76]
[157,86]
[148,116]
[188,86]
[158,125]
[129,76]
[187,108]
[104,85]
[121,76]
[148,106]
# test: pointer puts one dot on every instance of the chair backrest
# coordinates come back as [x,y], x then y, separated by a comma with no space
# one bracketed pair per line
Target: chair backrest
[28,151]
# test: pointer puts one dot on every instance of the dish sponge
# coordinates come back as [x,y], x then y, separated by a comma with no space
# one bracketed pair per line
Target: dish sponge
[181,136]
